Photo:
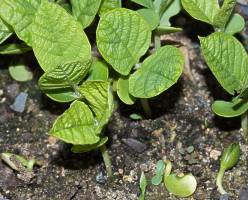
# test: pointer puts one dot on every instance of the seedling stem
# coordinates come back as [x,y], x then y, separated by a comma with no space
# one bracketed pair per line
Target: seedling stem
[219,181]
[146,107]
[244,124]
[107,161]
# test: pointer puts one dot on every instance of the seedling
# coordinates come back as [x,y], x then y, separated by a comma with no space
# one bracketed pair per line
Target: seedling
[143,185]
[179,185]
[17,162]
[229,159]
[158,178]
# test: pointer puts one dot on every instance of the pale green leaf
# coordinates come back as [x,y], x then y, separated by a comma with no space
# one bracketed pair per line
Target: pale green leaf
[86,148]
[5,31]
[227,59]
[85,10]
[123,36]
[57,38]
[100,100]
[20,73]
[76,125]
[108,5]
[230,109]
[14,48]
[203,10]
[167,29]
[157,73]
[142,184]
[62,95]
[222,17]
[150,16]
[173,9]
[123,91]
[180,186]
[235,25]
[20,15]
[99,71]
[161,6]
[145,3]
[64,76]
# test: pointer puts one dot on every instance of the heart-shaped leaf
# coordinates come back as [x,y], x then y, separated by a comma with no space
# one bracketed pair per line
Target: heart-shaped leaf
[56,42]
[123,91]
[157,73]
[230,109]
[235,24]
[76,125]
[180,186]
[123,36]
[227,59]
[85,10]
[20,15]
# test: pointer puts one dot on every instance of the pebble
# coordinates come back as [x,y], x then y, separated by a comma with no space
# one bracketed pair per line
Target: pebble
[243,195]
[215,154]
[135,144]
[224,197]
[20,102]
[101,178]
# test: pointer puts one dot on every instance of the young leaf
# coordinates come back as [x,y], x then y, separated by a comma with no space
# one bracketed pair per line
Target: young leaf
[157,73]
[85,10]
[235,24]
[230,109]
[64,76]
[150,16]
[63,95]
[180,186]
[227,60]
[157,179]
[76,125]
[124,40]
[145,3]
[86,148]
[230,156]
[143,184]
[5,31]
[98,71]
[100,100]
[20,14]
[123,91]
[14,48]
[224,13]
[108,5]
[20,73]
[203,10]
[56,42]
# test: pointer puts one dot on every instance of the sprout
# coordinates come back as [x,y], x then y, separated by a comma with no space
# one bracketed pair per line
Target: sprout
[229,159]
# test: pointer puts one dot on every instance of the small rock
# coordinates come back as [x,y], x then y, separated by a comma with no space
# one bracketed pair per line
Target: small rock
[224,197]
[243,195]
[134,144]
[214,154]
[144,167]
[101,178]
[20,102]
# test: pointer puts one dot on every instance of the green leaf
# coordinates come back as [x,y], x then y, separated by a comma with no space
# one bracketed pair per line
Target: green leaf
[160,166]
[20,73]
[100,100]
[67,75]
[76,125]
[142,184]
[224,13]
[20,15]
[62,95]
[156,180]
[135,116]
[124,40]
[56,42]
[161,6]
[123,91]
[99,71]
[14,48]
[227,60]
[5,31]
[145,3]
[157,73]
[180,186]
[108,5]
[235,25]
[230,156]
[86,148]
[150,16]
[230,109]
[85,10]
[173,9]
[167,29]
[203,10]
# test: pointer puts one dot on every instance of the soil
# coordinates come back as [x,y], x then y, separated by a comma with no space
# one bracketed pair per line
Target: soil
[182,118]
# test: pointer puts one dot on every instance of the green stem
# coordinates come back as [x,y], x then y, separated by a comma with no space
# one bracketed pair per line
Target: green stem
[168,168]
[219,181]
[244,125]
[107,161]
[146,107]
[157,41]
